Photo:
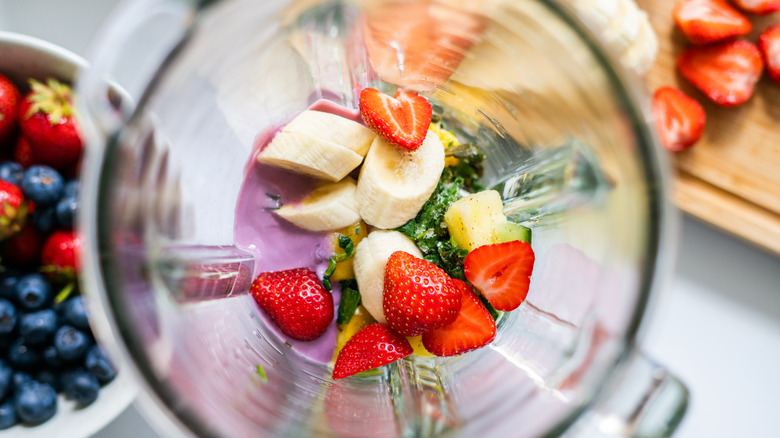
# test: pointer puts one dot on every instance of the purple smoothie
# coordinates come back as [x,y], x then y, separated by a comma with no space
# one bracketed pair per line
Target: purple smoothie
[277,244]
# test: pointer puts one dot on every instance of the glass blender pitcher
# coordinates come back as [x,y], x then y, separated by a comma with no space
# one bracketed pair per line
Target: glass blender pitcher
[179,93]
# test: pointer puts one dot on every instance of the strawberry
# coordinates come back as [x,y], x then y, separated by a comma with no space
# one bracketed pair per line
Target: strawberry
[769,44]
[296,301]
[24,248]
[402,120]
[708,21]
[9,104]
[418,296]
[473,328]
[13,209]
[679,119]
[501,272]
[60,253]
[725,72]
[758,6]
[372,346]
[23,153]
[47,118]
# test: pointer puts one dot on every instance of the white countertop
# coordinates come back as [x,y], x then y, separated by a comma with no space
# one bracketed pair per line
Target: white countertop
[717,326]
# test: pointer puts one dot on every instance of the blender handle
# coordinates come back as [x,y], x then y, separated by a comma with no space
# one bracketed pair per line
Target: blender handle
[645,400]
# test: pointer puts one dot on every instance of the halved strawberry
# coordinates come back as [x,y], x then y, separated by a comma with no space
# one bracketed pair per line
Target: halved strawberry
[501,272]
[13,209]
[758,6]
[372,346]
[679,119]
[402,120]
[418,295]
[769,44]
[708,21]
[9,104]
[473,328]
[726,73]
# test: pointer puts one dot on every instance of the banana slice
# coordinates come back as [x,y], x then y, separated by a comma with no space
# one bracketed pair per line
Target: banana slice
[369,262]
[393,185]
[329,207]
[321,145]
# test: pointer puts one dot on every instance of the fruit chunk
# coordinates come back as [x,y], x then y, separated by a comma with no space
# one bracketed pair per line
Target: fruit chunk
[360,319]
[758,6]
[393,185]
[726,73]
[501,272]
[9,109]
[473,328]
[296,301]
[345,268]
[329,207]
[417,345]
[679,119]
[371,347]
[402,120]
[472,220]
[13,209]
[708,21]
[369,262]
[769,44]
[418,295]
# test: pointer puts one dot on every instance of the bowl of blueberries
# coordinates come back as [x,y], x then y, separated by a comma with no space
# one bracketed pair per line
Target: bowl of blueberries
[56,377]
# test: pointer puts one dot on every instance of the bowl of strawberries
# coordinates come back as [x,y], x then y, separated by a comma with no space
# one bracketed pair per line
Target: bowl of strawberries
[56,379]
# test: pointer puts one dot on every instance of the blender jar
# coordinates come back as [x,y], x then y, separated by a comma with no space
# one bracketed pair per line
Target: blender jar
[179,93]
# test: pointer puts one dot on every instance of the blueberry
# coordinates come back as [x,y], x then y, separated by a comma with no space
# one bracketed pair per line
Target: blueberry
[82,387]
[8,317]
[6,379]
[35,402]
[74,312]
[8,281]
[8,417]
[45,218]
[71,343]
[49,377]
[20,378]
[66,210]
[71,188]
[42,185]
[12,172]
[98,364]
[51,357]
[22,355]
[33,292]
[38,327]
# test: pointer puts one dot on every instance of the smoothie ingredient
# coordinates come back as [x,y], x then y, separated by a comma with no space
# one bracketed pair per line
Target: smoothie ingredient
[13,209]
[296,301]
[9,110]
[344,268]
[329,207]
[48,122]
[473,221]
[350,300]
[402,120]
[43,185]
[334,128]
[501,272]
[346,249]
[508,231]
[418,295]
[419,349]
[708,21]
[370,261]
[23,153]
[60,254]
[769,44]
[679,119]
[393,185]
[726,72]
[372,346]
[473,328]
[359,319]
[758,6]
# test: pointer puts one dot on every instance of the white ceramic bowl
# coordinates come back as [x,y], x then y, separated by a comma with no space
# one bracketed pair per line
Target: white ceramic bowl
[23,57]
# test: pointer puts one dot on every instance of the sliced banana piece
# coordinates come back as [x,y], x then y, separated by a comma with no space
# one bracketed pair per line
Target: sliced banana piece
[393,185]
[329,207]
[321,145]
[369,262]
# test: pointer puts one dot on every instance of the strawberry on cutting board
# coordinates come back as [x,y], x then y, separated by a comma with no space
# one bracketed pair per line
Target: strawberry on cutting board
[296,301]
[402,120]
[501,272]
[708,21]
[418,295]
[769,44]
[758,6]
[9,109]
[679,119]
[726,72]
[372,346]
[48,122]
[473,328]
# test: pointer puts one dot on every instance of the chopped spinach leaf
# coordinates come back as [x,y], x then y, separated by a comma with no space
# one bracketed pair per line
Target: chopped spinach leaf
[348,246]
[261,373]
[350,299]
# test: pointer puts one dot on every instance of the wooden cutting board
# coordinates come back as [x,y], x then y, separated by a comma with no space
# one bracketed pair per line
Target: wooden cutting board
[731,177]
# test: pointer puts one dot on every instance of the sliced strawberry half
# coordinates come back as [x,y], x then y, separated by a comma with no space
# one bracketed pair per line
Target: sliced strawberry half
[679,119]
[758,6]
[708,21]
[402,120]
[769,44]
[726,73]
[501,272]
[372,346]
[473,328]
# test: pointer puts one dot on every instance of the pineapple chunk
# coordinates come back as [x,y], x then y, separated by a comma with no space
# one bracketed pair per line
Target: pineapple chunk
[344,269]
[360,319]
[448,139]
[419,348]
[472,220]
